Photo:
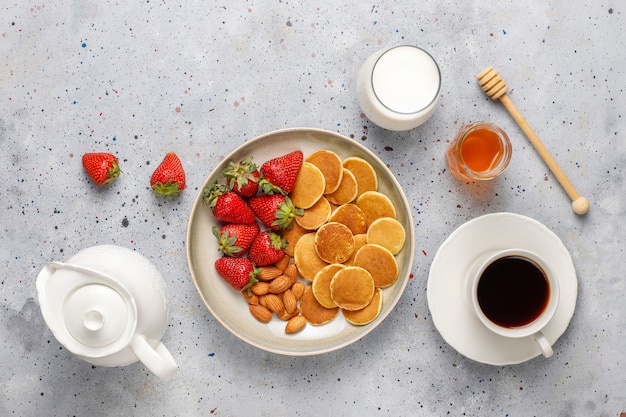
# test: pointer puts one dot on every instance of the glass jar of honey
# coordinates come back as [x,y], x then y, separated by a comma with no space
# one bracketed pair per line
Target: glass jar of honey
[479,151]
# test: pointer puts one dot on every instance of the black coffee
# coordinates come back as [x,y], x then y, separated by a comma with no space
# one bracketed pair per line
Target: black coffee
[513,291]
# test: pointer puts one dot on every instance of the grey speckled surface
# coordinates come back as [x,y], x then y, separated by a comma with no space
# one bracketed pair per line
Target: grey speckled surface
[141,78]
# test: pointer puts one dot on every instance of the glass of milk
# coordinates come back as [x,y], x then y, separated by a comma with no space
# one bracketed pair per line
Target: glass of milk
[398,88]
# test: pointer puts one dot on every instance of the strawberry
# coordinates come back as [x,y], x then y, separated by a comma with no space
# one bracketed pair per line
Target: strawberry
[242,177]
[227,206]
[275,211]
[240,273]
[279,174]
[102,167]
[267,249]
[235,239]
[169,177]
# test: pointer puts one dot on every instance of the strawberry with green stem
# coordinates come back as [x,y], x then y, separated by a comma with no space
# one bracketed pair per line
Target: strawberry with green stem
[226,205]
[267,249]
[242,177]
[279,174]
[102,167]
[239,273]
[169,177]
[275,211]
[235,239]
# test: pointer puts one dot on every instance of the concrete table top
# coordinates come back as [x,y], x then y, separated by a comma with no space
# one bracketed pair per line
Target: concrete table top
[139,79]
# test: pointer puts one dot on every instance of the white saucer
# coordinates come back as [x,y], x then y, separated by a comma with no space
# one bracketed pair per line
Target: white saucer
[451,313]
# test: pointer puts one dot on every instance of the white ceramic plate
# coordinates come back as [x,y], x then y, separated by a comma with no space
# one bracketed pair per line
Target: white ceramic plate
[230,308]
[450,310]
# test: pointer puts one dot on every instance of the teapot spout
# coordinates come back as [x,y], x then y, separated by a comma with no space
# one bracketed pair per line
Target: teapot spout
[48,270]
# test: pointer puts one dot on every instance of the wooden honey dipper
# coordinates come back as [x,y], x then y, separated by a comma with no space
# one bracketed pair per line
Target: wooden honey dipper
[495,87]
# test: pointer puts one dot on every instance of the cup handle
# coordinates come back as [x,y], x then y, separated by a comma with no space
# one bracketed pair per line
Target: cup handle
[157,359]
[543,343]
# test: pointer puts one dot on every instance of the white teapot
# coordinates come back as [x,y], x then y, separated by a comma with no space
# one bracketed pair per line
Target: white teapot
[108,305]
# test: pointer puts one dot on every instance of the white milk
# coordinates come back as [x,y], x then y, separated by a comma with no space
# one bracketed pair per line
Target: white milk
[398,88]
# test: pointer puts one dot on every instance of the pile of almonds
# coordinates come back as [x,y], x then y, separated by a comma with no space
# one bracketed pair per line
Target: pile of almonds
[278,291]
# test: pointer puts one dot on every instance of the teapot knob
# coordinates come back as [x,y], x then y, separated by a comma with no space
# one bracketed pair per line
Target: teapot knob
[93,320]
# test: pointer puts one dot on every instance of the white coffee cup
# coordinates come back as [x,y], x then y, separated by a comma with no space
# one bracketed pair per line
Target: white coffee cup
[515,294]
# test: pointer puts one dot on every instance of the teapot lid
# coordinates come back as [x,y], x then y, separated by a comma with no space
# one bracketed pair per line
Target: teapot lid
[90,313]
[95,315]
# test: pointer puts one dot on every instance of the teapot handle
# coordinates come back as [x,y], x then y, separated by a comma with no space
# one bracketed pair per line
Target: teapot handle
[157,359]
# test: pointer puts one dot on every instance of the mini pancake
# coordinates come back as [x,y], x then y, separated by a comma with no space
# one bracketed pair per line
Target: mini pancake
[352,288]
[310,185]
[360,240]
[388,233]
[321,284]
[375,205]
[367,314]
[379,262]
[350,215]
[334,242]
[347,191]
[332,206]
[305,257]
[314,312]
[331,166]
[364,173]
[316,215]
[292,235]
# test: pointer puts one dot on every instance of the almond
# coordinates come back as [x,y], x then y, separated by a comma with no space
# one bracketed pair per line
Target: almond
[282,264]
[274,303]
[279,284]
[252,299]
[289,301]
[268,273]
[260,288]
[297,289]
[295,324]
[261,313]
[291,271]
[292,280]
[287,316]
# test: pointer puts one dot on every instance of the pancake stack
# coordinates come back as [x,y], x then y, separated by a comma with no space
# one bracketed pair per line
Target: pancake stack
[346,241]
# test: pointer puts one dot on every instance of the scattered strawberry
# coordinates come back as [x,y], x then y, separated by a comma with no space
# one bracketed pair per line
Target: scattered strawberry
[242,177]
[267,249]
[275,211]
[279,174]
[240,273]
[169,177]
[102,167]
[227,206]
[235,239]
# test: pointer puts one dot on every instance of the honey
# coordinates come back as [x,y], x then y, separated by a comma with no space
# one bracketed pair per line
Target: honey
[480,151]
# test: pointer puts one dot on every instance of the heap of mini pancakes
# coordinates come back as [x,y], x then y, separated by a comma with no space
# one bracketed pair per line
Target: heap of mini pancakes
[346,241]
